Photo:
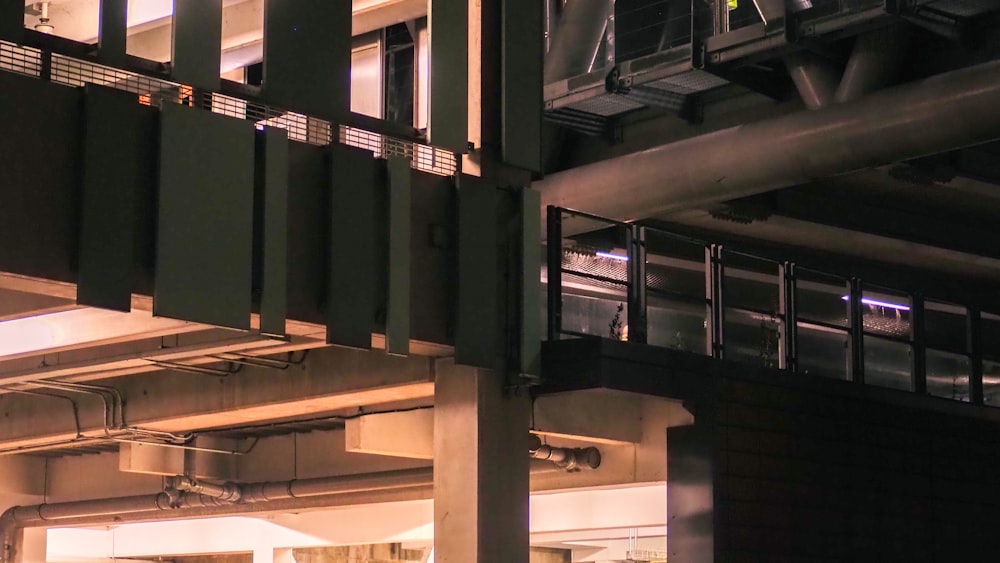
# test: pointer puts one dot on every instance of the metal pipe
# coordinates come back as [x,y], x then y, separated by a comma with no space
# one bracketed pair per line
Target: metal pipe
[942,113]
[226,492]
[814,78]
[578,36]
[300,488]
[570,459]
[874,60]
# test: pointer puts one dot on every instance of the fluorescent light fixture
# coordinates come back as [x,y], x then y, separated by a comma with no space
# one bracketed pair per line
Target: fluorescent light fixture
[612,256]
[877,303]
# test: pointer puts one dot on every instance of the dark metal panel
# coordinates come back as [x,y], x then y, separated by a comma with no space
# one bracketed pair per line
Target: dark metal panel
[476,335]
[12,20]
[271,191]
[449,96]
[197,45]
[307,56]
[205,218]
[111,32]
[110,185]
[351,299]
[531,290]
[39,177]
[690,495]
[397,324]
[523,37]
[553,262]
[308,194]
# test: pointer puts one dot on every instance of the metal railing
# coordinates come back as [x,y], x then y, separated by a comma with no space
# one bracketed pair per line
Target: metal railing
[639,284]
[75,72]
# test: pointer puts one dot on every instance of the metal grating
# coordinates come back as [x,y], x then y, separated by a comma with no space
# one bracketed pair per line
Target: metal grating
[73,72]
[422,157]
[22,60]
[607,105]
[688,82]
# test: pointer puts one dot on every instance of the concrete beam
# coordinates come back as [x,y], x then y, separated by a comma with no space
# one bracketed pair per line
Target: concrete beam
[329,380]
[401,434]
[599,415]
[22,475]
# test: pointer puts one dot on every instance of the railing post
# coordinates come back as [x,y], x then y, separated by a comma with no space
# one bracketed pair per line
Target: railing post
[788,359]
[45,72]
[714,274]
[856,316]
[636,284]
[975,347]
[553,248]
[918,337]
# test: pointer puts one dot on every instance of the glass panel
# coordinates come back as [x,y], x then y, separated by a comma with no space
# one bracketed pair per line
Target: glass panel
[991,383]
[676,324]
[366,80]
[400,53]
[886,313]
[606,317]
[820,298]
[752,338]
[948,375]
[242,38]
[675,266]
[991,335]
[887,363]
[72,19]
[822,351]
[945,326]
[150,29]
[750,283]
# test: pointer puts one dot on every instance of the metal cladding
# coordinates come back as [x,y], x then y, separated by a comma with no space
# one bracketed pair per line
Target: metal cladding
[942,113]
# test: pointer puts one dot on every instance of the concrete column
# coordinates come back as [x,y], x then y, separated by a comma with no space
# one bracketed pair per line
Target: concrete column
[480,467]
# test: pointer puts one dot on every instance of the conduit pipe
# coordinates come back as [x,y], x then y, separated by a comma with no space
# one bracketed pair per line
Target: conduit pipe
[873,62]
[185,504]
[942,113]
[814,78]
[577,37]
[184,495]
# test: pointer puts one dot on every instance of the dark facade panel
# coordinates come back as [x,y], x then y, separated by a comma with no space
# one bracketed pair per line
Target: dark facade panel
[307,57]
[11,20]
[39,177]
[432,278]
[690,495]
[112,180]
[477,335]
[308,233]
[397,324]
[449,62]
[111,34]
[523,53]
[271,207]
[351,297]
[205,218]
[530,346]
[197,45]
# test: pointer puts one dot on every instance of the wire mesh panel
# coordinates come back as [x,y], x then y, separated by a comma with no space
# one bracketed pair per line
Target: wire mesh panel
[22,60]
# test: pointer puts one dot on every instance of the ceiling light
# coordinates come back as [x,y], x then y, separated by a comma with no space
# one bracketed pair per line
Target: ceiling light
[612,256]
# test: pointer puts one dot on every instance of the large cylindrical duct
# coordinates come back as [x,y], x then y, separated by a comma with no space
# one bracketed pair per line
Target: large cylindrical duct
[942,113]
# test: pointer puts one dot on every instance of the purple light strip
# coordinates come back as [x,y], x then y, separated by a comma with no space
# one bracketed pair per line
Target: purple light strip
[612,256]
[877,303]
